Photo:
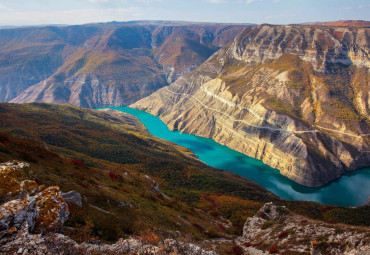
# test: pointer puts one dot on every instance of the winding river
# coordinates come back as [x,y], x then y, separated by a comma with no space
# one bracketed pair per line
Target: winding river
[350,190]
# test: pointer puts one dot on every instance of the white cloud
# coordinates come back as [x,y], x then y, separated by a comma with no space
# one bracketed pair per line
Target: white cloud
[98,1]
[216,1]
[4,8]
[276,1]
[363,6]
[249,1]
[149,1]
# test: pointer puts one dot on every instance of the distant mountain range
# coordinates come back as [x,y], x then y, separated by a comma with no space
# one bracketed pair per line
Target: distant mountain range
[103,64]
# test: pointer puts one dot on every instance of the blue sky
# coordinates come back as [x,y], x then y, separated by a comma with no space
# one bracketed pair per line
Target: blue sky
[35,12]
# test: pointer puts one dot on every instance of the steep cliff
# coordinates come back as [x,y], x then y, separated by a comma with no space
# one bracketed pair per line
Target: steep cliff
[295,97]
[96,65]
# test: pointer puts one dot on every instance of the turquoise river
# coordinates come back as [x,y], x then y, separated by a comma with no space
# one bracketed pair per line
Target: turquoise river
[350,190]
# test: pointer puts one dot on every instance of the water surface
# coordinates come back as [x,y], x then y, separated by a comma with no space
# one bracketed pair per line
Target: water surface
[350,190]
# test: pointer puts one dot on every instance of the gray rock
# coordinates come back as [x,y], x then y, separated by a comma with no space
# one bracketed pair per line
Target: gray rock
[72,197]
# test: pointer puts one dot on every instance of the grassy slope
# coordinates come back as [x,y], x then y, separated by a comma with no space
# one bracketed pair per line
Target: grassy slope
[109,145]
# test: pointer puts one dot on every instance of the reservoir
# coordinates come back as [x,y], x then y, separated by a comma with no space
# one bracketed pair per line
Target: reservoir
[351,189]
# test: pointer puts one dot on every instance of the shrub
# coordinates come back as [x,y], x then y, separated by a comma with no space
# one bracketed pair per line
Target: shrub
[213,232]
[237,250]
[215,214]
[221,226]
[113,176]
[262,215]
[247,244]
[83,185]
[273,250]
[77,162]
[199,227]
[283,234]
[290,231]
[267,225]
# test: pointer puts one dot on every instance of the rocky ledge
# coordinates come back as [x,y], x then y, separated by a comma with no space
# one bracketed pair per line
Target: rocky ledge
[274,229]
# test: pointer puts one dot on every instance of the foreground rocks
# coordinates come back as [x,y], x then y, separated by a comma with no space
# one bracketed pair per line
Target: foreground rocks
[275,229]
[43,209]
[31,217]
[24,242]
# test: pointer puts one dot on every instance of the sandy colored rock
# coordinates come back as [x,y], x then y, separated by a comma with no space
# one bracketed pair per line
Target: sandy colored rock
[295,97]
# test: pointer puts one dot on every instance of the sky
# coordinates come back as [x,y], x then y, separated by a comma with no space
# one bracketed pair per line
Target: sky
[40,12]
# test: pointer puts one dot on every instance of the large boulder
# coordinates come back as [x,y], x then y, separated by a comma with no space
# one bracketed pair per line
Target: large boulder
[44,209]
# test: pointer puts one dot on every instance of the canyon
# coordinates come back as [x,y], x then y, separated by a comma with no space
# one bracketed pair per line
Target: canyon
[295,97]
[103,64]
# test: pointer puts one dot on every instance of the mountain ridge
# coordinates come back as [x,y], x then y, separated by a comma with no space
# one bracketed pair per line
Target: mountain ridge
[120,59]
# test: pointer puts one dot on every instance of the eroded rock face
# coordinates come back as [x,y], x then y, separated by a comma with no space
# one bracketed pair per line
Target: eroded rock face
[295,97]
[321,47]
[275,227]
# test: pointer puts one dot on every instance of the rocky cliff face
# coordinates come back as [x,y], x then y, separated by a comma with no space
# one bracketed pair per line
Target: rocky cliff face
[295,97]
[102,64]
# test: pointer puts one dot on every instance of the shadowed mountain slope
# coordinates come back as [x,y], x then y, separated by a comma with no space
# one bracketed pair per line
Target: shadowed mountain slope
[111,64]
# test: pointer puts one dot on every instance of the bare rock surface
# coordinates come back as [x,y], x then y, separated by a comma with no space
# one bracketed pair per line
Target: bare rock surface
[276,228]
[31,217]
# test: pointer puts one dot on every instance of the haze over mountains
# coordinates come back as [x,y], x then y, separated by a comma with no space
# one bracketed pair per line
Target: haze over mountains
[109,64]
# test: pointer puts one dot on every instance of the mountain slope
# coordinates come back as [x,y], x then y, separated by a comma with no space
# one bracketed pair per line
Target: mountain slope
[295,97]
[129,180]
[130,183]
[102,64]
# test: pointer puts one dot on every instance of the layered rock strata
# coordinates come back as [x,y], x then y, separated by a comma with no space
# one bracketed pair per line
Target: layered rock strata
[295,97]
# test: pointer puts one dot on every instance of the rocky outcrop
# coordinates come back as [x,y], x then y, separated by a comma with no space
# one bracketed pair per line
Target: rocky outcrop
[32,215]
[295,97]
[72,197]
[276,229]
[41,209]
[23,242]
